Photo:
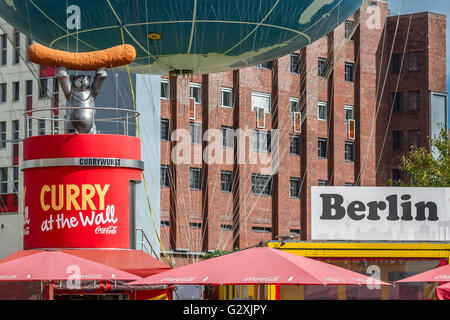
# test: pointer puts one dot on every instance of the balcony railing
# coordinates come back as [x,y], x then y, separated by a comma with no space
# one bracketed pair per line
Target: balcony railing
[107,120]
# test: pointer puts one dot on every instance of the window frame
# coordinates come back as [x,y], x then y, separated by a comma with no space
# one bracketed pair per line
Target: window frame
[195,182]
[226,186]
[195,87]
[319,106]
[349,66]
[227,91]
[196,128]
[165,82]
[322,142]
[261,190]
[297,188]
[349,152]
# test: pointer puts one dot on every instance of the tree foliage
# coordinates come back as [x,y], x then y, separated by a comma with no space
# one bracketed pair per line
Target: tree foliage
[428,169]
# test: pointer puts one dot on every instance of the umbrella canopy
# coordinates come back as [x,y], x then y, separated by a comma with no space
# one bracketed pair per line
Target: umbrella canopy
[443,292]
[136,262]
[258,266]
[441,274]
[57,265]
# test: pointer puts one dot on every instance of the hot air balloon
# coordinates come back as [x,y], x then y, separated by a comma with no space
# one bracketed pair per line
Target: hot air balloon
[177,37]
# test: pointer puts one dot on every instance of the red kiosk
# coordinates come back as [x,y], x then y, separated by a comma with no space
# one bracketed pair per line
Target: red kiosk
[79,193]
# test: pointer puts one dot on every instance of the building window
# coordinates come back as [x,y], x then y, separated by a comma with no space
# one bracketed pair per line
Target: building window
[396,63]
[29,43]
[165,223]
[226,181]
[4,49]
[196,92]
[15,91]
[165,129]
[3,134]
[196,132]
[195,178]
[262,229]
[264,65]
[227,137]
[413,100]
[56,125]
[397,177]
[294,187]
[3,180]
[413,138]
[165,89]
[323,148]
[43,88]
[29,88]
[226,227]
[349,69]
[30,127]
[349,29]
[295,63]
[349,113]
[322,68]
[396,102]
[195,225]
[165,176]
[16,47]
[322,183]
[16,179]
[3,93]
[413,61]
[15,131]
[226,97]
[295,233]
[322,111]
[41,127]
[349,155]
[295,145]
[294,105]
[261,141]
[261,185]
[397,140]
[349,184]
[261,100]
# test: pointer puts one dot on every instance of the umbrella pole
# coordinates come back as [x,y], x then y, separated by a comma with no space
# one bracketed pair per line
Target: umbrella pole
[50,291]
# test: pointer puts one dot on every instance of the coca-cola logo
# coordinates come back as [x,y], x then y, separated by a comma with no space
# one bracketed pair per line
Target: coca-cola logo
[170,279]
[443,277]
[106,230]
[262,279]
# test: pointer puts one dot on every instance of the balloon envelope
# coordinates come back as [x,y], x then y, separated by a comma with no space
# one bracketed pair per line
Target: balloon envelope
[197,36]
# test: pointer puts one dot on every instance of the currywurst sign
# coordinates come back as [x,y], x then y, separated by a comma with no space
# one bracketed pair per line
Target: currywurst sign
[380,213]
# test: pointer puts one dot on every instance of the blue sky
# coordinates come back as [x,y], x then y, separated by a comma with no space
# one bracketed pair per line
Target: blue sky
[438,6]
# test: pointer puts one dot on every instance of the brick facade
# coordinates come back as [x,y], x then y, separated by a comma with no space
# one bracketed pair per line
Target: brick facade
[197,221]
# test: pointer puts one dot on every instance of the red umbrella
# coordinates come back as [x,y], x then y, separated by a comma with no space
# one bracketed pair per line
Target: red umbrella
[57,265]
[443,292]
[260,265]
[441,274]
[133,261]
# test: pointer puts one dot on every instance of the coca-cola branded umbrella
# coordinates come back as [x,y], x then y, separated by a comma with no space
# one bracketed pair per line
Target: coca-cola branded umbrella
[440,274]
[58,266]
[260,265]
[443,292]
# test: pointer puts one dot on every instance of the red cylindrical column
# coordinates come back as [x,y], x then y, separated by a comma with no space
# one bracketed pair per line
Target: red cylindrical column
[77,190]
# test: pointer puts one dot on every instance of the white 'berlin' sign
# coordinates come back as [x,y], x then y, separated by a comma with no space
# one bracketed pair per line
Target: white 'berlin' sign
[380,213]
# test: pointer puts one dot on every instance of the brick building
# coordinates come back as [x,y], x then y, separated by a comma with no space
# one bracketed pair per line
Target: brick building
[341,86]
[414,99]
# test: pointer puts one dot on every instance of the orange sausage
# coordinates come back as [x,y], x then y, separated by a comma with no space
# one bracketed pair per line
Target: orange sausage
[85,61]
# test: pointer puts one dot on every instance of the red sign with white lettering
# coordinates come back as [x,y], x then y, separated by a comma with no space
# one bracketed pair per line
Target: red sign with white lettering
[79,205]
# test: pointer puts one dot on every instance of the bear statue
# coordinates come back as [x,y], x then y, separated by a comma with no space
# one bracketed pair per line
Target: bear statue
[81,95]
